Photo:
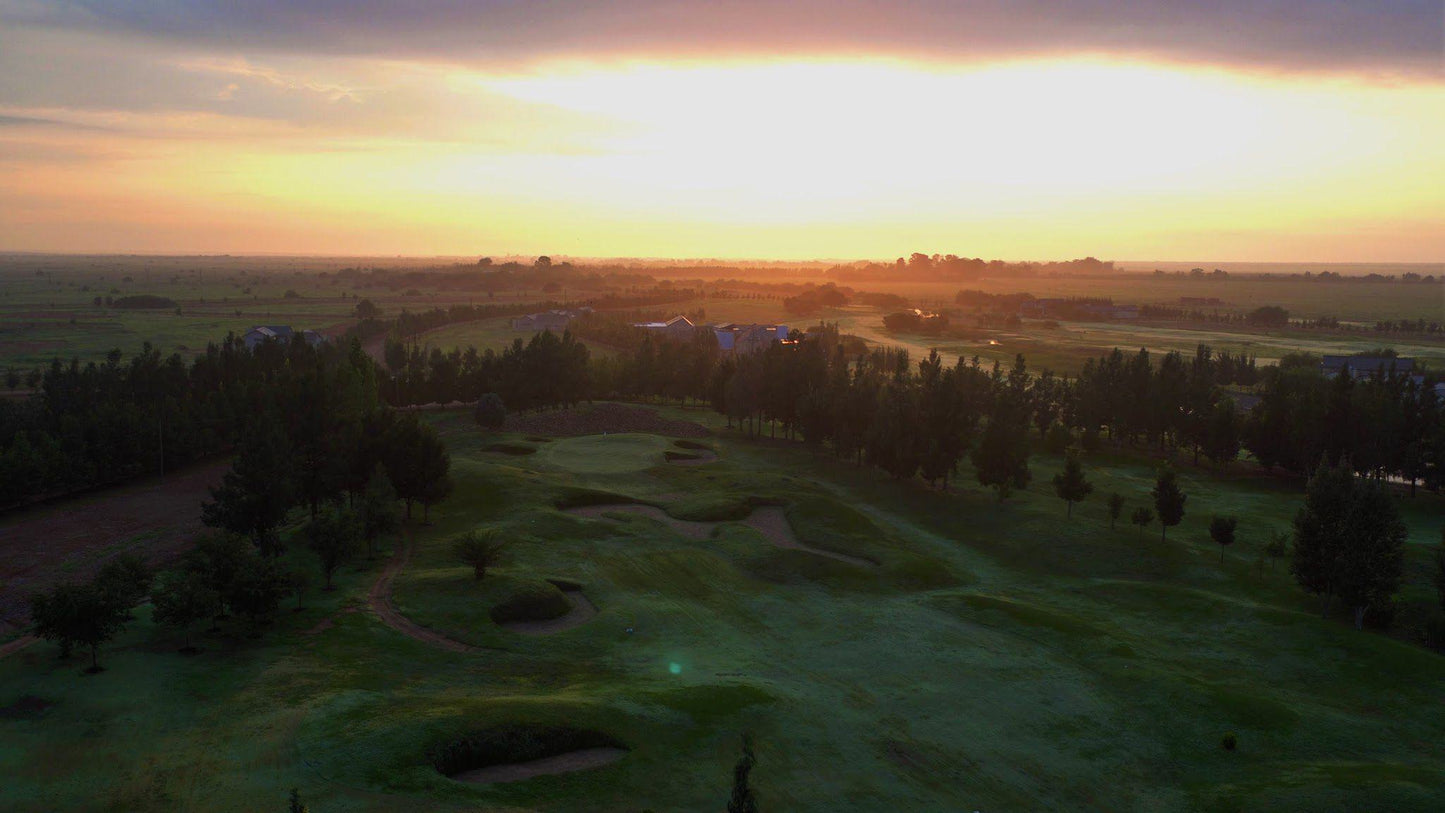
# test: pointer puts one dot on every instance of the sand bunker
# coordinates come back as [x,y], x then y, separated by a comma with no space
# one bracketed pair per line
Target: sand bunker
[770,521]
[691,458]
[583,610]
[582,760]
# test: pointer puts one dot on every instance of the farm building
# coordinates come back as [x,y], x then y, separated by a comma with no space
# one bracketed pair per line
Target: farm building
[281,333]
[1365,366]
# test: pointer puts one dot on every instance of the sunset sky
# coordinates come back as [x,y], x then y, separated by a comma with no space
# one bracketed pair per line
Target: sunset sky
[1289,130]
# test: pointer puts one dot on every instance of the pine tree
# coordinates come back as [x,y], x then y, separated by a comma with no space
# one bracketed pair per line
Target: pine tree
[1001,460]
[1142,517]
[1116,508]
[256,494]
[1070,484]
[1221,530]
[1168,500]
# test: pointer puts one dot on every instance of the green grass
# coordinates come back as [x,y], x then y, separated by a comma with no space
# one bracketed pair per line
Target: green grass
[1000,657]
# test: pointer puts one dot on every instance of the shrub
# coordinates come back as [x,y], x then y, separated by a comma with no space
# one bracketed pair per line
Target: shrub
[491,413]
[480,550]
[1435,632]
[1058,439]
[1230,741]
[1090,440]
[536,601]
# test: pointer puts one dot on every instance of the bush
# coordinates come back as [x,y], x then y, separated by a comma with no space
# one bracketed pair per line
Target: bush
[1090,440]
[1058,438]
[491,413]
[538,601]
[1230,741]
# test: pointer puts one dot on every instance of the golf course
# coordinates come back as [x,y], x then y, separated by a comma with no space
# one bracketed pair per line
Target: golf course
[885,644]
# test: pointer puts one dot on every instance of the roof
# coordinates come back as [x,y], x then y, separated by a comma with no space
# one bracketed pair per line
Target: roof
[1366,364]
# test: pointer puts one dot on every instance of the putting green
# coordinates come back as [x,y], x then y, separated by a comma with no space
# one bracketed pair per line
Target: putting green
[606,454]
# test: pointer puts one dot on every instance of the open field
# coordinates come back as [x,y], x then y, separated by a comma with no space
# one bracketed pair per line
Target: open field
[996,657]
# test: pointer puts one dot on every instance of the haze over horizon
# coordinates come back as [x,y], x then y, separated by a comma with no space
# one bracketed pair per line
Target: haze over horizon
[1286,132]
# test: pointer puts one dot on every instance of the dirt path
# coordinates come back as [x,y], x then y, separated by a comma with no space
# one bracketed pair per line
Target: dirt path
[582,760]
[583,610]
[11,647]
[770,521]
[379,601]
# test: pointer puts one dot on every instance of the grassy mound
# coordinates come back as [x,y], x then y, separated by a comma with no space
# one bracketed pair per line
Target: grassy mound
[534,601]
[588,497]
[516,742]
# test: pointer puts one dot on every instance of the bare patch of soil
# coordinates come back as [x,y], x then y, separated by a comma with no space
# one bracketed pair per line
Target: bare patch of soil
[585,759]
[699,458]
[600,418]
[74,537]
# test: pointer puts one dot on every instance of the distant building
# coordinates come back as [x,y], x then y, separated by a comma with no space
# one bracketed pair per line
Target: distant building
[746,339]
[1366,366]
[731,337]
[280,333]
[678,327]
[554,320]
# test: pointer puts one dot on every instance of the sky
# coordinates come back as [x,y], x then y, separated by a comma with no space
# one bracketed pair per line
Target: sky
[1260,130]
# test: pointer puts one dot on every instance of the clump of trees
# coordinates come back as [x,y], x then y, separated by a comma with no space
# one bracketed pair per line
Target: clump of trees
[1348,543]
[88,614]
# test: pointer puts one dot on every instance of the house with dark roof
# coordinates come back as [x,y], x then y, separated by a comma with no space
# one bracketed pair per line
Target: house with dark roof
[279,333]
[1366,366]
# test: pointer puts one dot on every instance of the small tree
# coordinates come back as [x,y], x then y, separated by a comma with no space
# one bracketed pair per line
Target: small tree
[1058,438]
[1277,547]
[333,536]
[125,580]
[378,510]
[1221,530]
[366,309]
[743,799]
[1142,517]
[296,805]
[491,412]
[1168,500]
[480,550]
[1001,460]
[297,580]
[256,590]
[182,598]
[1071,485]
[78,615]
[1116,508]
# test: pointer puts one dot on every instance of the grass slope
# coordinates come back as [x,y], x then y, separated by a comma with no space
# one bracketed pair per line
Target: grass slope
[999,657]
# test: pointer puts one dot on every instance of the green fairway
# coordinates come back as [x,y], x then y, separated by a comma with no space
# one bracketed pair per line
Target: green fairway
[605,454]
[978,656]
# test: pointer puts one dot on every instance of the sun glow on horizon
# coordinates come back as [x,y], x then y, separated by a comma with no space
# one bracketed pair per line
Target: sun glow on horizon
[863,157]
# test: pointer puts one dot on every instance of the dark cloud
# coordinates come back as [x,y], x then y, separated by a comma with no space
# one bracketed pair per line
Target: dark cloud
[1384,37]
